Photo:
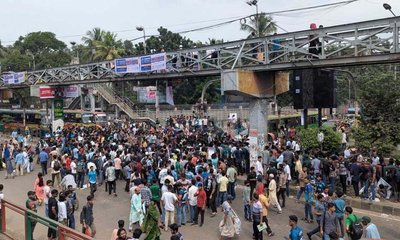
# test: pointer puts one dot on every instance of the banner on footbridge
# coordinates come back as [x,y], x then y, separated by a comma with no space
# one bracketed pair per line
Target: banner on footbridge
[148,63]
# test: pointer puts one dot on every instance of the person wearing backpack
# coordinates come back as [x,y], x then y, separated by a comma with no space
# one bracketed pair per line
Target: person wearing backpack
[354,228]
[80,170]
[55,174]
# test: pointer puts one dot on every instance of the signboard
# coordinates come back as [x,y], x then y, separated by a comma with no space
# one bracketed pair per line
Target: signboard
[47,92]
[14,78]
[148,95]
[58,109]
[141,64]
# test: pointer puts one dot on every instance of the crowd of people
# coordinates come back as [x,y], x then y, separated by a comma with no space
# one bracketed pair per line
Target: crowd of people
[175,172]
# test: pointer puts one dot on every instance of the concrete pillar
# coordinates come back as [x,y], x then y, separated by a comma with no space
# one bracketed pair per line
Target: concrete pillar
[258,130]
[102,104]
[92,102]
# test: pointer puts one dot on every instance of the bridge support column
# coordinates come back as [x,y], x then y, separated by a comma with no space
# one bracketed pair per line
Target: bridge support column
[258,130]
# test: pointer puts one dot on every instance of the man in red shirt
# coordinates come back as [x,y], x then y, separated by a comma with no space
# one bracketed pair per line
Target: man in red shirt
[201,204]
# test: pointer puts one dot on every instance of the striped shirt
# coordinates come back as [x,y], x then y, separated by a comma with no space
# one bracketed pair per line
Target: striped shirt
[146,195]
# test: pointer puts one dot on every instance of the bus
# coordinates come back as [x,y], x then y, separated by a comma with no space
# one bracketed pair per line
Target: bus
[36,119]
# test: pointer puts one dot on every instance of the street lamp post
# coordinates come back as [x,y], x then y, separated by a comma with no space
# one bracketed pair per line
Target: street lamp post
[141,29]
[255,3]
[389,8]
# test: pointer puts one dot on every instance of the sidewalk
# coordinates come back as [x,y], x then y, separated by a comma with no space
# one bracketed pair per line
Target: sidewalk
[383,206]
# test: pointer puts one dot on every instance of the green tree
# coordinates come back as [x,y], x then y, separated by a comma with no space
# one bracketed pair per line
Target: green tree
[309,139]
[92,36]
[108,47]
[165,41]
[44,49]
[378,93]
[263,27]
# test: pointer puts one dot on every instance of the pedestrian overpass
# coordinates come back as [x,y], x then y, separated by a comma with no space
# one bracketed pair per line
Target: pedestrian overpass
[360,43]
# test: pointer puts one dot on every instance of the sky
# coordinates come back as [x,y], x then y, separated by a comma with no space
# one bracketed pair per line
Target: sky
[71,19]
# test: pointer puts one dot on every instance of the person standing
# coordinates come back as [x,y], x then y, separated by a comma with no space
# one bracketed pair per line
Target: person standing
[62,210]
[38,187]
[92,174]
[282,179]
[70,208]
[231,173]
[19,163]
[252,178]
[296,232]
[329,222]
[319,210]
[265,202]
[114,234]
[155,194]
[73,168]
[355,171]
[340,205]
[182,196]
[86,217]
[7,158]
[80,170]
[302,182]
[371,231]
[55,174]
[145,194]
[53,213]
[246,201]
[31,204]
[111,178]
[136,215]
[46,195]
[272,193]
[192,200]
[257,217]
[168,200]
[223,187]
[43,158]
[308,201]
[201,204]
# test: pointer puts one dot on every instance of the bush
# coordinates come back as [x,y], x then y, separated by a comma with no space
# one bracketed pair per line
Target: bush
[309,139]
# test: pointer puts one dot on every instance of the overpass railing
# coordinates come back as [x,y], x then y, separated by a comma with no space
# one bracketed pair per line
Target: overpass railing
[348,41]
[63,232]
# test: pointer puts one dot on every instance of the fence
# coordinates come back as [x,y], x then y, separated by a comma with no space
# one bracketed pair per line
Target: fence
[63,232]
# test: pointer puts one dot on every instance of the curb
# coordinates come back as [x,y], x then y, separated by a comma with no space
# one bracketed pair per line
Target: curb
[380,207]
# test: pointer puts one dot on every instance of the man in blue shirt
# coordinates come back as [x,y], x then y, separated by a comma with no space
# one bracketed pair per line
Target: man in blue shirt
[340,204]
[43,158]
[92,174]
[296,232]
[19,163]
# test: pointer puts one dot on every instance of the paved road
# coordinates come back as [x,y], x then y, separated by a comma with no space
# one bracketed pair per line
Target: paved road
[109,209]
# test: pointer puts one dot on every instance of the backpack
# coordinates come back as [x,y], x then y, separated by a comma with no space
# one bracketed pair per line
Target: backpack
[57,165]
[356,230]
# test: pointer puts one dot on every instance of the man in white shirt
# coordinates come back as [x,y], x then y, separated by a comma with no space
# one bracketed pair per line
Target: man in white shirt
[286,170]
[192,200]
[259,166]
[73,168]
[168,200]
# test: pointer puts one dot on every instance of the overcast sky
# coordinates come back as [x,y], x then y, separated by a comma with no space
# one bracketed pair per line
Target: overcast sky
[70,19]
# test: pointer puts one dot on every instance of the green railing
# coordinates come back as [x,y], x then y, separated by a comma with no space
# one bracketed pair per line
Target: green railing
[63,232]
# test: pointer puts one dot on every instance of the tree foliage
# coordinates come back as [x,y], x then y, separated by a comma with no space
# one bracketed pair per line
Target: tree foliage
[263,27]
[379,94]
[309,139]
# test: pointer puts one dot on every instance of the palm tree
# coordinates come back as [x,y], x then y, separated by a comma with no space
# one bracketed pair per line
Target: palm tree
[92,36]
[265,25]
[96,34]
[108,47]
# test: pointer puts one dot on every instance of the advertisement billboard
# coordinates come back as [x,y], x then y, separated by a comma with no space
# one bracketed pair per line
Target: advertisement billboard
[141,64]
